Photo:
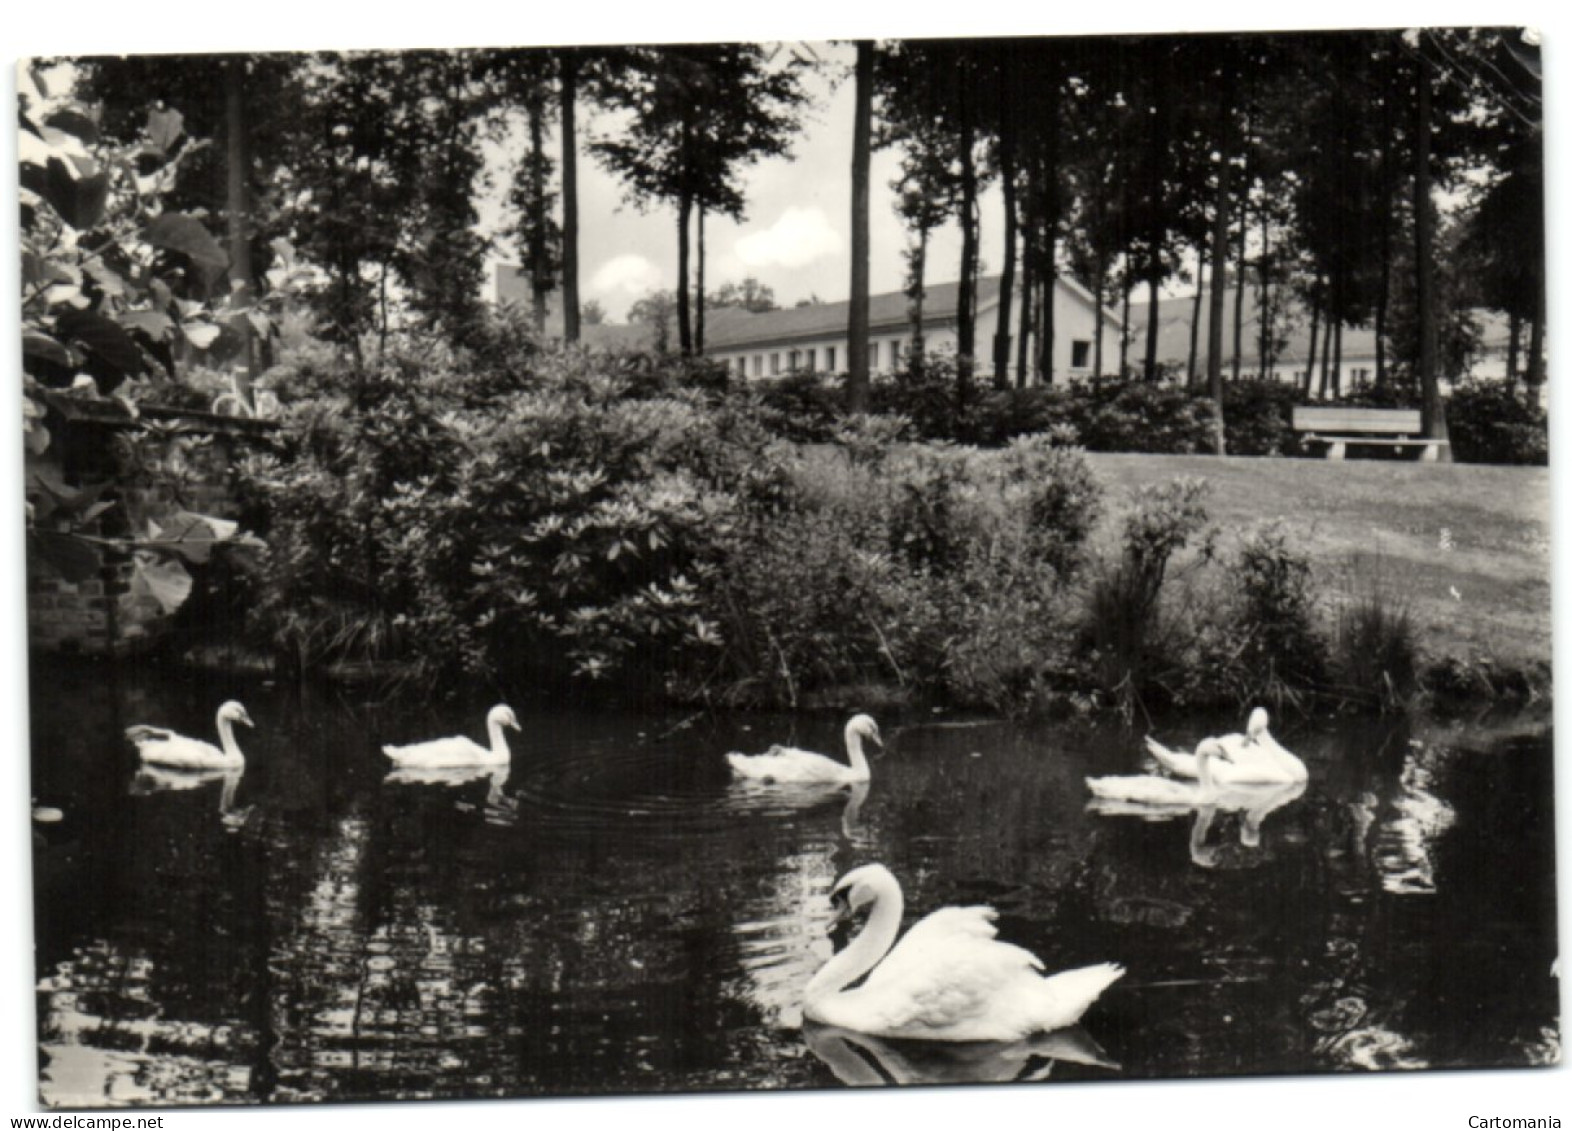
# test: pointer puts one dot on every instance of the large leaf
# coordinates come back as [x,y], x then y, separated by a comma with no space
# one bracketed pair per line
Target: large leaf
[36,344]
[158,327]
[74,122]
[79,200]
[175,231]
[190,535]
[103,337]
[164,126]
[164,578]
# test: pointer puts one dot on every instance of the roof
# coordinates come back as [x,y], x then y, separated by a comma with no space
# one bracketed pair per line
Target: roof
[729,327]
[1175,315]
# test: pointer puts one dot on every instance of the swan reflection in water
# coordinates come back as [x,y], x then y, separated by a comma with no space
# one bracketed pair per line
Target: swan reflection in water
[861,1060]
[805,795]
[498,805]
[150,779]
[1253,803]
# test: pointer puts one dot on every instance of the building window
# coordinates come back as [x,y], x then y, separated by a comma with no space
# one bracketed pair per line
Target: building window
[1080,354]
[873,355]
[791,359]
[775,364]
[758,365]
[829,358]
[810,359]
[895,353]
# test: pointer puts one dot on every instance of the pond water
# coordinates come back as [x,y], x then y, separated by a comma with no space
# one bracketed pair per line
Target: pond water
[615,915]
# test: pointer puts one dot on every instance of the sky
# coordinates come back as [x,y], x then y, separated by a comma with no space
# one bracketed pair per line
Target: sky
[796,235]
[795,265]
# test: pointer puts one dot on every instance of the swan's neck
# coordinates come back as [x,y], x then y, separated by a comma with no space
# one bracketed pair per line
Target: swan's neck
[226,738]
[863,952]
[1203,771]
[499,744]
[854,754]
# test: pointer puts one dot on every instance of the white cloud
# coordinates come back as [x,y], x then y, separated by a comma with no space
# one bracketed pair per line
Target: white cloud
[625,277]
[798,238]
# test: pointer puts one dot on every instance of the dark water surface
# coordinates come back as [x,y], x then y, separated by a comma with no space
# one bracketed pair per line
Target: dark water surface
[614,915]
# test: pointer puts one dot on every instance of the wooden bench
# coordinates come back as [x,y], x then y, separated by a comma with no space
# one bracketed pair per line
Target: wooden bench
[1336,428]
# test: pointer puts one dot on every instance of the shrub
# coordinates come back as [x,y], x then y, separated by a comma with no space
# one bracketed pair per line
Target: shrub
[562,527]
[1124,631]
[941,571]
[1258,418]
[1491,423]
[1280,650]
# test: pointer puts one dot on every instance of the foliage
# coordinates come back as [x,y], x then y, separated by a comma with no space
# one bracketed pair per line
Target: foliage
[561,527]
[1492,422]
[1126,634]
[1259,418]
[943,574]
[1280,650]
[750,295]
[115,310]
[1375,651]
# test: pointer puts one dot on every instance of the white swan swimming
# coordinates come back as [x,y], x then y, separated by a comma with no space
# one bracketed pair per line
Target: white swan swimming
[1149,789]
[948,979]
[1255,757]
[459,752]
[787,765]
[162,747]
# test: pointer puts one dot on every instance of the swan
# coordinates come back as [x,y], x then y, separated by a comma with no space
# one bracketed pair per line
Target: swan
[1149,789]
[454,753]
[949,979]
[1256,757]
[162,747]
[787,765]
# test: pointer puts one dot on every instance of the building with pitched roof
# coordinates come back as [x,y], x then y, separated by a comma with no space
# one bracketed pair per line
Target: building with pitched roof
[813,337]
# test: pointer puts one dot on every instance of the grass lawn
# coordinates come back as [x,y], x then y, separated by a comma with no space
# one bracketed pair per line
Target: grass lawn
[1467,547]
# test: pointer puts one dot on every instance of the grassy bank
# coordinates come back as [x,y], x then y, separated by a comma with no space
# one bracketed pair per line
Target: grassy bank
[1466,547]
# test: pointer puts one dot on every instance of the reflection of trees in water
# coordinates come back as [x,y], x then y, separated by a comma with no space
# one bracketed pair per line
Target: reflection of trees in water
[1442,858]
[160,1011]
[439,957]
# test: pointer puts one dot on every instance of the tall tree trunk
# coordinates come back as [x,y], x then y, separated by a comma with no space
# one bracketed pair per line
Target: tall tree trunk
[1154,285]
[1433,409]
[1315,331]
[1214,327]
[1001,323]
[1047,325]
[857,319]
[1337,363]
[1383,301]
[684,313]
[698,292]
[237,203]
[1326,351]
[1514,333]
[1263,301]
[916,293]
[1534,374]
[1023,336]
[966,299]
[1124,331]
[570,198]
[539,254]
[1097,293]
[1192,378]
[1241,281]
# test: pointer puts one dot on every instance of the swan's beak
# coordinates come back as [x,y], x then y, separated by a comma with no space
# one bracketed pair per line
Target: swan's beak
[246,719]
